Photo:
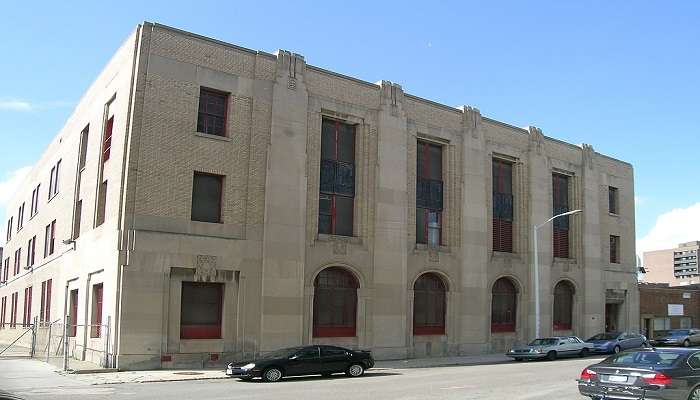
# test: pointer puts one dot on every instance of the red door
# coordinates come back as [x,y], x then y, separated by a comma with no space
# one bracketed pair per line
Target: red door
[73,312]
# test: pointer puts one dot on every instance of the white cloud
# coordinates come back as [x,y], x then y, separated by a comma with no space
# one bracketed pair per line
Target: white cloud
[639,200]
[15,105]
[8,187]
[676,226]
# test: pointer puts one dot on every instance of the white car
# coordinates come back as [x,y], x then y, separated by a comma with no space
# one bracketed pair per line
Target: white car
[551,348]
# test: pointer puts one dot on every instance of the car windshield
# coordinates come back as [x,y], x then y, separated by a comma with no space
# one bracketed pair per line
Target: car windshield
[664,358]
[678,332]
[283,352]
[606,336]
[543,342]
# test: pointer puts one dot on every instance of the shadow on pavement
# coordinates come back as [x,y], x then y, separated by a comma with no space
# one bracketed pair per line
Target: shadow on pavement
[323,378]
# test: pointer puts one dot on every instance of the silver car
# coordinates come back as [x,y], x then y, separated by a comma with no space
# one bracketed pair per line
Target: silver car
[676,337]
[551,348]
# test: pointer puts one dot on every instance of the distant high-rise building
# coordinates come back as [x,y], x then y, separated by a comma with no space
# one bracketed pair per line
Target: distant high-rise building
[677,266]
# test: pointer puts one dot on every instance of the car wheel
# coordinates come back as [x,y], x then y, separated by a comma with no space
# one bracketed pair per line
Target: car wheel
[686,343]
[695,394]
[355,370]
[552,355]
[616,349]
[584,352]
[272,374]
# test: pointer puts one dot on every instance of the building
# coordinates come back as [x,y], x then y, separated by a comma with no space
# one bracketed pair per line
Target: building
[214,202]
[678,266]
[664,307]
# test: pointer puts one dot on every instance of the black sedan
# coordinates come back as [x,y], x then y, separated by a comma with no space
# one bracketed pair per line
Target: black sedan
[307,360]
[664,374]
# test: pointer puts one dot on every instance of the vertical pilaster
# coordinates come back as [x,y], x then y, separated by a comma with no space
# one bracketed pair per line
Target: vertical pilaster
[285,208]
[591,258]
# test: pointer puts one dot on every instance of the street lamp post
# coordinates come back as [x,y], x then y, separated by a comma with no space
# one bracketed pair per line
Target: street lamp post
[537,267]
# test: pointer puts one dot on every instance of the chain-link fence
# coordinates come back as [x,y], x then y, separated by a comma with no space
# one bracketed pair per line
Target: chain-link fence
[74,346]
[17,340]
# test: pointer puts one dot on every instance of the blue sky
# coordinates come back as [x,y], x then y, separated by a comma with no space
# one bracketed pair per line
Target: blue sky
[622,77]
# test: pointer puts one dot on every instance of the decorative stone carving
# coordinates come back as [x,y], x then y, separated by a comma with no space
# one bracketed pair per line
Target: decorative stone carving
[471,120]
[588,155]
[290,67]
[340,247]
[433,255]
[391,96]
[205,270]
[536,139]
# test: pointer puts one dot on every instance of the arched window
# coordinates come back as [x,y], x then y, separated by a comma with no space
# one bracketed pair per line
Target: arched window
[429,305]
[335,303]
[563,306]
[503,306]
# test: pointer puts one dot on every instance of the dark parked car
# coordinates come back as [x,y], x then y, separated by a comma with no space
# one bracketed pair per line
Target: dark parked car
[306,360]
[677,337]
[665,374]
[614,342]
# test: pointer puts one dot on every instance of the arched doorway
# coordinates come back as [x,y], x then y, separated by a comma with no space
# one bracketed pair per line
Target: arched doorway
[429,305]
[335,303]
[562,313]
[503,306]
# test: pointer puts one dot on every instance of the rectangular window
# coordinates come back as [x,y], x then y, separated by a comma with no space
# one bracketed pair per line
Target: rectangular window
[8,232]
[560,237]
[96,313]
[13,309]
[82,154]
[35,201]
[27,315]
[6,270]
[20,217]
[101,204]
[18,261]
[107,140]
[45,309]
[77,216]
[201,310]
[31,251]
[54,179]
[3,311]
[73,317]
[614,249]
[337,187]
[429,187]
[613,200]
[213,107]
[502,205]
[207,190]
[49,238]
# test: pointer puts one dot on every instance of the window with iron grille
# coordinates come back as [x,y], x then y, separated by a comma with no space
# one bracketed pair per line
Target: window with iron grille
[613,200]
[213,107]
[96,312]
[563,306]
[335,303]
[502,205]
[560,226]
[201,310]
[614,249]
[429,187]
[503,306]
[337,187]
[429,305]
[207,190]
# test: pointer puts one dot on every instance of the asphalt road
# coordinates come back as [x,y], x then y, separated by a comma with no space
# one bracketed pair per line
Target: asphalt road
[539,380]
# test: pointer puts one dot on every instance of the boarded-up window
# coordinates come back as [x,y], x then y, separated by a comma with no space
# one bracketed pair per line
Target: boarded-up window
[206,197]
[502,206]
[563,306]
[560,237]
[337,180]
[429,194]
[213,107]
[429,305]
[335,303]
[613,200]
[201,310]
[503,306]
[614,249]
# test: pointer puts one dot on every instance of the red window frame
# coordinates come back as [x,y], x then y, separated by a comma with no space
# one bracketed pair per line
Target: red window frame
[333,196]
[204,115]
[335,295]
[27,313]
[429,305]
[52,238]
[560,226]
[562,313]
[107,139]
[18,261]
[3,311]
[13,310]
[31,250]
[73,328]
[96,328]
[423,172]
[204,331]
[6,270]
[502,227]
[503,296]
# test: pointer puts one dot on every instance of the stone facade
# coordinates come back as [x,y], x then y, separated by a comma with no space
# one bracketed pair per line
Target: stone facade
[267,251]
